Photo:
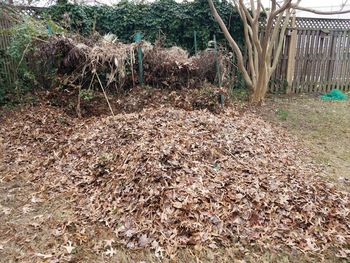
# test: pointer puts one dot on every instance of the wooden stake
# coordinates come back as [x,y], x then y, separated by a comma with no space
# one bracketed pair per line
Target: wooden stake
[291,55]
[104,93]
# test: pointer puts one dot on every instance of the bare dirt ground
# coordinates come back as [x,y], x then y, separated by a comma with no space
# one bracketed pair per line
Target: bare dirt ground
[38,228]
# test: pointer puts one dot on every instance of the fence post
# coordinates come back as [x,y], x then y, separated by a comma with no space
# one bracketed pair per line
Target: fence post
[195,41]
[218,74]
[139,56]
[291,55]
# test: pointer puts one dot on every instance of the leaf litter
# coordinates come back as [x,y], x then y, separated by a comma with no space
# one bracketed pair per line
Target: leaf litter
[167,178]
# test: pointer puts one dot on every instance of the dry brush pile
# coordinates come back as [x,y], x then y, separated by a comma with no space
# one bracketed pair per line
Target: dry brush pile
[105,64]
[113,64]
[175,68]
[84,62]
[166,178]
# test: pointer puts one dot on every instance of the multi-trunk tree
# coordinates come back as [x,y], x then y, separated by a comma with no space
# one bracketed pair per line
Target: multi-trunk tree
[264,32]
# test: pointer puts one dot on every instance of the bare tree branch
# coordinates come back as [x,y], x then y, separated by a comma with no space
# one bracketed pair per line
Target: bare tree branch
[248,41]
[246,12]
[338,12]
[280,43]
[232,43]
[273,37]
[343,5]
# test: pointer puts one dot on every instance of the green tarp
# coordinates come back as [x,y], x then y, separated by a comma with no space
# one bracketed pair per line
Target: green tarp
[334,95]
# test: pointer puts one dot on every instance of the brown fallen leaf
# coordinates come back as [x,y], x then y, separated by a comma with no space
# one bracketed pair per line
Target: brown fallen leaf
[44,256]
[69,247]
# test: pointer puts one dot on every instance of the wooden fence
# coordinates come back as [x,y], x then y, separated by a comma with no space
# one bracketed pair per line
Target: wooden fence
[315,57]
[7,66]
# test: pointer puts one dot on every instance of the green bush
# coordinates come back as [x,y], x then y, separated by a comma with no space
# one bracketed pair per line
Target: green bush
[175,21]
[24,39]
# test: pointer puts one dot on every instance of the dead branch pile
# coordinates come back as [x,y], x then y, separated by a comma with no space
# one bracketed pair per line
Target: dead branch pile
[83,60]
[166,178]
[106,63]
[167,67]
[172,67]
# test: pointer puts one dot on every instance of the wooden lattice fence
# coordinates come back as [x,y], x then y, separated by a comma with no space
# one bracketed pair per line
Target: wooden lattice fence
[7,66]
[315,57]
[7,14]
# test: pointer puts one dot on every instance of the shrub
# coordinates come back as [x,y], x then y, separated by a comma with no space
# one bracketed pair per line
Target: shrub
[176,21]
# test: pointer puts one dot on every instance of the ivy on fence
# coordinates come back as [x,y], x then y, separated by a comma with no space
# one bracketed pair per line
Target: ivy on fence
[173,21]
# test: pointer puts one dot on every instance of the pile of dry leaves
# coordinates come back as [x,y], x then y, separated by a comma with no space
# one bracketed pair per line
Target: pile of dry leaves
[166,178]
[208,97]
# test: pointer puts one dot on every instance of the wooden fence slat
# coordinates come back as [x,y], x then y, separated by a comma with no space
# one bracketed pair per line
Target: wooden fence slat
[333,65]
[337,61]
[311,62]
[297,59]
[320,62]
[7,66]
[301,41]
[317,62]
[340,61]
[325,53]
[347,64]
[344,60]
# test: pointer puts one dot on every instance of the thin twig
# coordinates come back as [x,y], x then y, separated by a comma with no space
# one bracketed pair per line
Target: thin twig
[40,39]
[104,93]
[78,104]
[20,62]
[92,79]
[24,52]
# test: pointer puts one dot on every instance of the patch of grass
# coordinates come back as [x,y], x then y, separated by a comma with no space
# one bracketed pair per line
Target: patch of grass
[322,126]
[86,95]
[239,94]
[282,114]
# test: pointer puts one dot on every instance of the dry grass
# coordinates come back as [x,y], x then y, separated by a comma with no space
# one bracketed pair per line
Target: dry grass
[322,126]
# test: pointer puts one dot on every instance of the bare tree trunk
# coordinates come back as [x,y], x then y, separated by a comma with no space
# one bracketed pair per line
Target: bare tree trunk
[261,86]
[263,50]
